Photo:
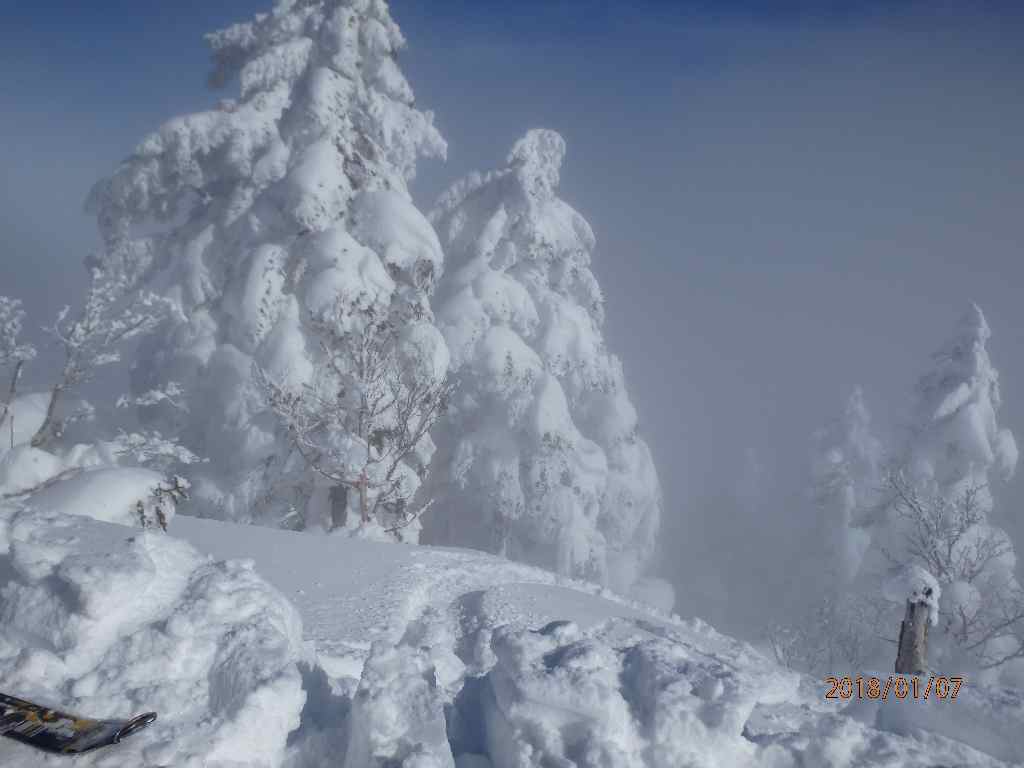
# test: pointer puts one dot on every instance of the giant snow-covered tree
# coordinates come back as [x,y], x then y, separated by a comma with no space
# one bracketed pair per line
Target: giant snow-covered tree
[267,216]
[938,505]
[541,459]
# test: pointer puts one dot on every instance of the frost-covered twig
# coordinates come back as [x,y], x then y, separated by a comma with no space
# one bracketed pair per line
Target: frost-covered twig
[153,448]
[171,393]
[174,491]
[113,313]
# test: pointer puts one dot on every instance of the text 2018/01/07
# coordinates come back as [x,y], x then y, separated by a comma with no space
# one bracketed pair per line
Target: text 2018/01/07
[900,686]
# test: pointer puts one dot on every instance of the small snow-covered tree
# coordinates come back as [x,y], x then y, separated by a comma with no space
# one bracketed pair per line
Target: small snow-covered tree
[829,627]
[363,422]
[541,459]
[260,214]
[110,316]
[833,633]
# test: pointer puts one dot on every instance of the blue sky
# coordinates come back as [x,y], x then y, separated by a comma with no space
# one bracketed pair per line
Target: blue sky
[790,198]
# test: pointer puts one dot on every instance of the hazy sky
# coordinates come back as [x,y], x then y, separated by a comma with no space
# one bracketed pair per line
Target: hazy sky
[790,198]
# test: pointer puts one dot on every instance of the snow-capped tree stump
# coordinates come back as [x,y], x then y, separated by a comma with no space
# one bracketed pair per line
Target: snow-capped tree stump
[912,653]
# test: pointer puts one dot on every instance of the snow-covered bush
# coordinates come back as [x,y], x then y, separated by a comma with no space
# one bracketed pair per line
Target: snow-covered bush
[541,459]
[110,622]
[37,465]
[265,213]
[833,634]
[363,423]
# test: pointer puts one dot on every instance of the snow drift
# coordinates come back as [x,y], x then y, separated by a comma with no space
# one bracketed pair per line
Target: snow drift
[110,621]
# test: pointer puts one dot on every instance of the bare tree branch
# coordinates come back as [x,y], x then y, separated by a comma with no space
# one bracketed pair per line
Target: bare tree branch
[366,416]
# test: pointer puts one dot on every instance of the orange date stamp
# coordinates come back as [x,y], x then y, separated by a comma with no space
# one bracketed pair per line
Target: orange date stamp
[898,686]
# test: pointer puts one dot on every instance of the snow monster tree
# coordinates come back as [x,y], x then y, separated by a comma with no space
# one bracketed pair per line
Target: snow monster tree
[266,219]
[540,458]
[939,513]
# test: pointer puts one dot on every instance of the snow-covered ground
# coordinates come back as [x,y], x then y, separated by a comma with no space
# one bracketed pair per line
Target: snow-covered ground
[398,655]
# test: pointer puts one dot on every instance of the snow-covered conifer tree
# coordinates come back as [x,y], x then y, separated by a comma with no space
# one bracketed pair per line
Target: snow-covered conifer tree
[541,459]
[825,626]
[846,472]
[266,214]
[938,504]
[957,443]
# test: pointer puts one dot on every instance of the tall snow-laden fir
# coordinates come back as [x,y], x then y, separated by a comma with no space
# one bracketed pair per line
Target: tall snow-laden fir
[281,224]
[541,458]
[938,508]
[957,443]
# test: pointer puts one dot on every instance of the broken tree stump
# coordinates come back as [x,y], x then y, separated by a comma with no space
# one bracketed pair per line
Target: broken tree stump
[912,653]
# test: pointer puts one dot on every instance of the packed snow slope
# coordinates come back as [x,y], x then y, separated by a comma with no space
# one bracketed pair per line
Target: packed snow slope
[318,650]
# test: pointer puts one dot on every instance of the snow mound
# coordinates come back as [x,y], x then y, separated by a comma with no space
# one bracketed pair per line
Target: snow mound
[108,494]
[626,694]
[444,659]
[914,584]
[98,619]
[24,467]
[397,715]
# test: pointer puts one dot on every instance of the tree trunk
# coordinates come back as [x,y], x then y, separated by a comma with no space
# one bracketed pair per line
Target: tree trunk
[337,500]
[364,512]
[912,656]
[46,429]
